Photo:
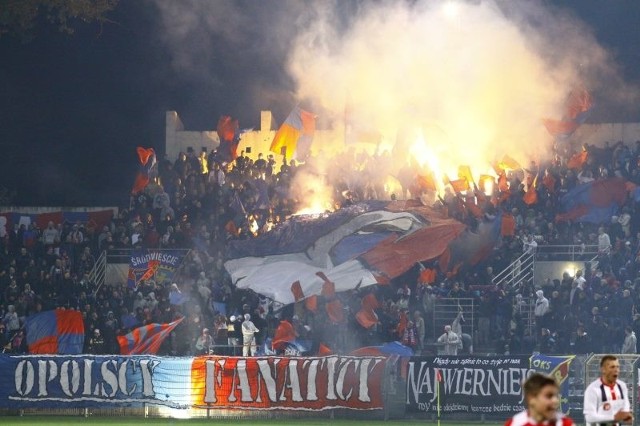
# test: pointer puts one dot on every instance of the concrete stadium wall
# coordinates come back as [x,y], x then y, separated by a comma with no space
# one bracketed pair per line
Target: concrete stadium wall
[599,134]
[178,139]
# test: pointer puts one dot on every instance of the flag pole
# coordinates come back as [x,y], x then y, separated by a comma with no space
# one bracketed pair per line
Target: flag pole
[438,399]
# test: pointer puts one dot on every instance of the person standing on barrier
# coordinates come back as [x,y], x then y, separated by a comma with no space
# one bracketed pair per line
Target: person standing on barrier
[248,336]
[448,342]
[541,395]
[606,399]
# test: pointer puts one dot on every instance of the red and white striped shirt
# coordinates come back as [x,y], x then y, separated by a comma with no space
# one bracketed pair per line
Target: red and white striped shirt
[523,419]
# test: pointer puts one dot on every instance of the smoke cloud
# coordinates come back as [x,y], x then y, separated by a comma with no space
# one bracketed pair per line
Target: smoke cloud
[471,79]
[441,82]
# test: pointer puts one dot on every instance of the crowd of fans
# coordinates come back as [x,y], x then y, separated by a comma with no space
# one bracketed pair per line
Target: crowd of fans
[199,202]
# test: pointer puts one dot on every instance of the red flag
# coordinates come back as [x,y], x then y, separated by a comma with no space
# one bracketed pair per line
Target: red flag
[438,376]
[227,128]
[503,184]
[285,333]
[335,311]
[370,302]
[228,134]
[508,226]
[366,317]
[473,209]
[578,160]
[296,289]
[444,259]
[559,127]
[531,196]
[324,350]
[425,182]
[459,185]
[328,287]
[549,182]
[427,276]
[231,228]
[147,158]
[311,303]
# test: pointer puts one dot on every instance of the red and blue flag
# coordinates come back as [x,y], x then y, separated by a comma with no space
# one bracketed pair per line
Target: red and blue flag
[147,157]
[576,110]
[593,202]
[146,339]
[55,332]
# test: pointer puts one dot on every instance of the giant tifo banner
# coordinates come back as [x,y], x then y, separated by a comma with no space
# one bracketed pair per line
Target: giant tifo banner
[313,383]
[459,384]
[159,265]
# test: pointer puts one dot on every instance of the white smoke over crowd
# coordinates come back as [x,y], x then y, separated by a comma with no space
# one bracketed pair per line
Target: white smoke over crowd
[483,74]
[445,82]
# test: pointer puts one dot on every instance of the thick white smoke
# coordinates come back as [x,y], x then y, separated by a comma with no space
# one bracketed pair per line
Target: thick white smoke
[447,82]
[473,80]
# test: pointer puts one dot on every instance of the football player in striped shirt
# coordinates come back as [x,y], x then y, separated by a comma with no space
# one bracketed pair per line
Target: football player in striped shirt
[541,395]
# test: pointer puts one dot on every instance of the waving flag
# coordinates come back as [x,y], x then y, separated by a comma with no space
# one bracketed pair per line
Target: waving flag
[146,339]
[593,202]
[229,139]
[464,172]
[285,334]
[359,245]
[576,110]
[297,129]
[531,196]
[366,316]
[297,292]
[55,332]
[578,160]
[474,246]
[147,157]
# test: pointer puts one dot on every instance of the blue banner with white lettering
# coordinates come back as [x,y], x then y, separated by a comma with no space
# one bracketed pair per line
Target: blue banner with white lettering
[250,383]
[157,265]
[478,385]
[93,381]
[556,366]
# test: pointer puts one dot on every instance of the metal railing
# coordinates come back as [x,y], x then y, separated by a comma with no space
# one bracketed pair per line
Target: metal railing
[577,252]
[518,272]
[123,255]
[97,275]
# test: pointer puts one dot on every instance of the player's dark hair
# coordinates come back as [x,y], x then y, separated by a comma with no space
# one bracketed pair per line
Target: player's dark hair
[606,358]
[534,384]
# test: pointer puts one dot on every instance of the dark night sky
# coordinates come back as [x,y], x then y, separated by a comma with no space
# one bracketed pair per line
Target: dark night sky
[73,108]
